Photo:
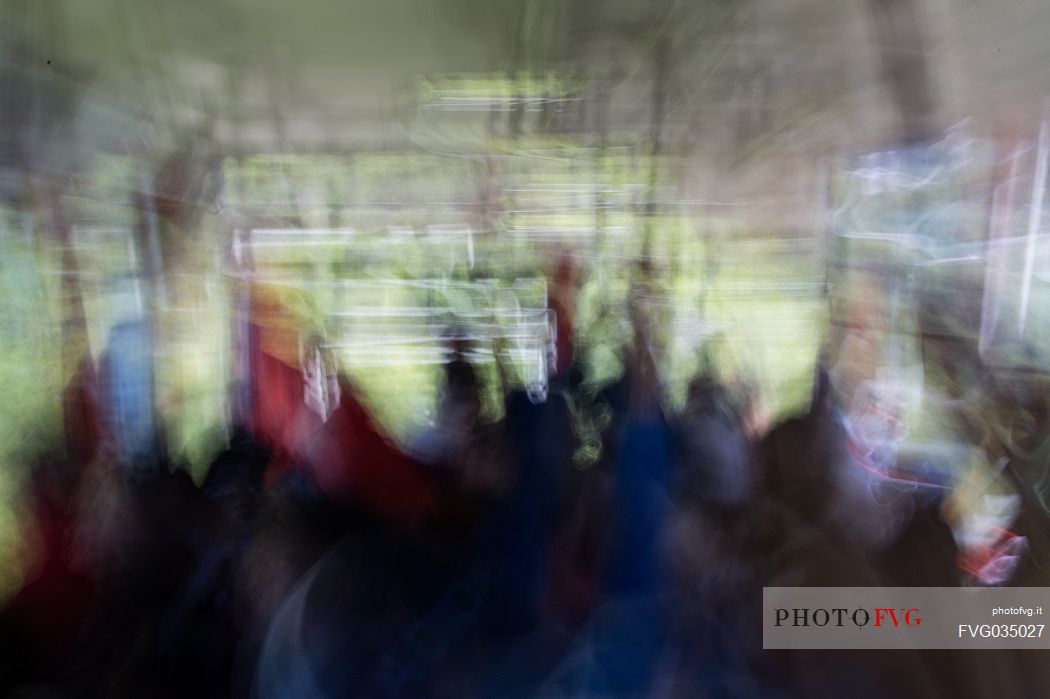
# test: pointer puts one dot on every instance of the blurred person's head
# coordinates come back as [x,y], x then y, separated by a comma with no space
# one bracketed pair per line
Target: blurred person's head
[714,447]
[462,391]
[856,353]
[178,187]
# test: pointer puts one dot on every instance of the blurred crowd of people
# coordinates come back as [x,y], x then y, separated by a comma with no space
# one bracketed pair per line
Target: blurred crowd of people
[318,558]
[226,513]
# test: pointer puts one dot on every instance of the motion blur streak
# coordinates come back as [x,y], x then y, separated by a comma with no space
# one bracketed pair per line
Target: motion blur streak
[509,348]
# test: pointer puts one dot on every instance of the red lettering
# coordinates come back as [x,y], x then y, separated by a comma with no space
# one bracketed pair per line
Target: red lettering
[880,614]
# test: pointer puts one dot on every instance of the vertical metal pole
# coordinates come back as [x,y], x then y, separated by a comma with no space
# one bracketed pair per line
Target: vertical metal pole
[1035,215]
[994,271]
